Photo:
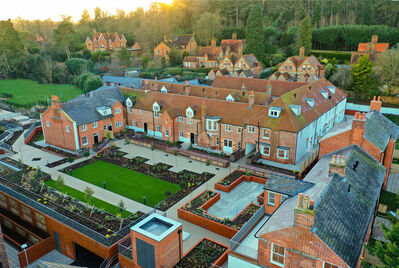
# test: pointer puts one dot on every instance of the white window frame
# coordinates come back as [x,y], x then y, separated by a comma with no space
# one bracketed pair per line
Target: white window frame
[227,141]
[272,253]
[158,128]
[228,127]
[84,127]
[134,123]
[83,140]
[118,124]
[156,114]
[47,123]
[268,135]
[239,129]
[251,129]
[117,111]
[286,154]
[180,118]
[167,132]
[95,124]
[264,146]
[326,262]
[271,201]
[189,120]
[67,129]
[211,125]
[238,145]
[181,134]
[141,112]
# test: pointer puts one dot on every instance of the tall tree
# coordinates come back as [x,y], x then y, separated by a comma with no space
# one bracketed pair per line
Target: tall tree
[364,80]
[207,27]
[65,36]
[316,15]
[124,57]
[305,35]
[85,17]
[254,32]
[387,69]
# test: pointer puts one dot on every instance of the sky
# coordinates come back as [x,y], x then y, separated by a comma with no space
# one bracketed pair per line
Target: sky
[53,9]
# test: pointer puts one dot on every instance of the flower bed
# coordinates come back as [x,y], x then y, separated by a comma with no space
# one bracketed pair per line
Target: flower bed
[195,212]
[229,182]
[14,137]
[215,154]
[57,163]
[29,182]
[204,254]
[161,171]
[232,177]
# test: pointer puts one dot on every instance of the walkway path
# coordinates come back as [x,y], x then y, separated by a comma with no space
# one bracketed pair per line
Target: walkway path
[26,153]
[393,183]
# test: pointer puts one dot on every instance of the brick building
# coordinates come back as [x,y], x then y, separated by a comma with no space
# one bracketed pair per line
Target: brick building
[284,129]
[84,120]
[322,221]
[372,131]
[182,42]
[373,49]
[105,41]
[299,68]
[3,253]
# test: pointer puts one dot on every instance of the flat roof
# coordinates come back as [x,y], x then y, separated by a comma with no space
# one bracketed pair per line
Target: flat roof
[156,227]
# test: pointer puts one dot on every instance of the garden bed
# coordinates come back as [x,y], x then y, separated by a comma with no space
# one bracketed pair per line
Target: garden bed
[232,180]
[205,253]
[232,177]
[14,137]
[195,212]
[187,180]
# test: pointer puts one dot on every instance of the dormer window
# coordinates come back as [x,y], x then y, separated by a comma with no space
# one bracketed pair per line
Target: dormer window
[104,111]
[211,125]
[129,103]
[324,93]
[189,115]
[331,89]
[296,109]
[310,102]
[274,112]
[229,98]
[164,90]
[156,109]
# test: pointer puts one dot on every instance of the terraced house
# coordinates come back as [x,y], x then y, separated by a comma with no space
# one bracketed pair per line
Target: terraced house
[84,120]
[181,42]
[284,129]
[105,41]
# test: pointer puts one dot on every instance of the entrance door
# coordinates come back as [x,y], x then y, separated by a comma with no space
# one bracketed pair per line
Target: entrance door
[57,241]
[110,127]
[96,138]
[192,138]
[145,127]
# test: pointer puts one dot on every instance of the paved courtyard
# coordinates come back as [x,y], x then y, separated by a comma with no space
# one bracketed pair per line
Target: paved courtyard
[26,153]
[233,202]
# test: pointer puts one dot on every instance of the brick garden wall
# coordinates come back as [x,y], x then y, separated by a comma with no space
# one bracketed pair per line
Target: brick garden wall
[3,253]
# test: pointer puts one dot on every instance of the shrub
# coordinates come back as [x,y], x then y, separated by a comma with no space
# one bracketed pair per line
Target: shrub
[92,82]
[71,159]
[182,184]
[167,193]
[86,154]
[339,56]
[208,162]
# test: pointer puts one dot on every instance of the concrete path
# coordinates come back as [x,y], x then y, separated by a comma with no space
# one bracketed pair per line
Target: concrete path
[393,183]
[26,152]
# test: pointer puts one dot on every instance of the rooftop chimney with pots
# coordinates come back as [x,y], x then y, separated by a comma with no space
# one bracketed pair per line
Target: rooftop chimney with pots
[251,99]
[56,102]
[187,89]
[269,88]
[304,212]
[374,39]
[358,125]
[337,165]
[155,84]
[302,52]
[234,36]
[376,104]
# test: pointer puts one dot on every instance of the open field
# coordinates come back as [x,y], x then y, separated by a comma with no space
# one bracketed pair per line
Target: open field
[27,93]
[128,183]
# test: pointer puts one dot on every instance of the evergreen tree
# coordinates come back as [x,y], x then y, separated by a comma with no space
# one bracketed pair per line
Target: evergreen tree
[254,32]
[388,252]
[316,15]
[364,80]
[305,35]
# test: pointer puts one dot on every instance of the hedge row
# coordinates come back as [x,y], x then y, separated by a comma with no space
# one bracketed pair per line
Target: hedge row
[179,71]
[340,57]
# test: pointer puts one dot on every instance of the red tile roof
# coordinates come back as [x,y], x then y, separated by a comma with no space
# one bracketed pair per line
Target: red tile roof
[378,47]
[234,44]
[212,52]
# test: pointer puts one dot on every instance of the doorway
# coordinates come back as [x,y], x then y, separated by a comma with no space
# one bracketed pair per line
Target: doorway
[96,138]
[85,257]
[110,127]
[145,127]
[192,138]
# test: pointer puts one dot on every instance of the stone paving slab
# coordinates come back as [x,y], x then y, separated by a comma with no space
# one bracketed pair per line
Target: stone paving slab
[378,233]
[393,183]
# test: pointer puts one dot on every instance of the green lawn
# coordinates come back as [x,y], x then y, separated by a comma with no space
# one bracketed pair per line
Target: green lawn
[28,92]
[389,199]
[123,181]
[79,195]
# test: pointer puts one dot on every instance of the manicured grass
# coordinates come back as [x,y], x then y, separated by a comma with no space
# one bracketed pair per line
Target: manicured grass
[81,196]
[126,182]
[389,199]
[28,92]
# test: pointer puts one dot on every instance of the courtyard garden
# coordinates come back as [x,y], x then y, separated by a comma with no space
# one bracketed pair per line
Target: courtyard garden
[135,179]
[27,93]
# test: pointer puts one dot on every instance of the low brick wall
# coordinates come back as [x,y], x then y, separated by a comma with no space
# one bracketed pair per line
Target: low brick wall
[36,251]
[227,189]
[27,139]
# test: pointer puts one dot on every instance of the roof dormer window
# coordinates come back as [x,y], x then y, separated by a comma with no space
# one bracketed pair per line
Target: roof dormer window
[164,90]
[274,112]
[310,102]
[129,102]
[332,89]
[229,98]
[324,93]
[156,109]
[296,109]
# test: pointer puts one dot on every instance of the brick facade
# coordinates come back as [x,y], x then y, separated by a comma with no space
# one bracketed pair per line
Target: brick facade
[3,253]
[105,41]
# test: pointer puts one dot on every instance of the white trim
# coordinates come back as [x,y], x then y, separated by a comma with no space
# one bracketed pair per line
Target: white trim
[286,153]
[268,198]
[44,135]
[271,256]
[75,129]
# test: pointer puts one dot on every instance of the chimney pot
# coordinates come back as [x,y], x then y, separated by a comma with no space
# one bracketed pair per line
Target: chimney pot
[334,159]
[306,202]
[311,204]
[300,200]
[376,104]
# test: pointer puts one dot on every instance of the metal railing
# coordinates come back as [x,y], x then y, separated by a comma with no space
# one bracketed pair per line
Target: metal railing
[247,227]
[125,247]
[31,128]
[6,146]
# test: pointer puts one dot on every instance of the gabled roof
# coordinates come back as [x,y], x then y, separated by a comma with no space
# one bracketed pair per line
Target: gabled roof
[234,44]
[211,51]
[224,71]
[251,60]
[83,109]
[286,185]
[298,61]
[259,85]
[190,59]
[107,36]
[178,40]
[378,47]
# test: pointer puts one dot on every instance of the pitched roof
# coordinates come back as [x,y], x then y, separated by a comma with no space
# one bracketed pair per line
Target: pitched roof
[259,85]
[107,36]
[178,40]
[378,47]
[234,44]
[298,61]
[224,71]
[342,217]
[251,60]
[211,51]
[134,82]
[190,59]
[83,109]
[286,185]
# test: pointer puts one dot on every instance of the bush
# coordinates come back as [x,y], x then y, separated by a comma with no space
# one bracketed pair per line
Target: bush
[339,56]
[167,193]
[86,154]
[182,184]
[174,71]
[92,82]
[78,65]
[82,79]
[71,159]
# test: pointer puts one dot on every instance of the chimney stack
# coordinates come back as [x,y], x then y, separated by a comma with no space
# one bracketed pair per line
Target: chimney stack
[251,99]
[213,42]
[376,104]
[337,165]
[155,84]
[358,125]
[203,115]
[304,212]
[269,88]
[374,39]
[243,89]
[302,52]
[234,36]
[56,102]
[187,89]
